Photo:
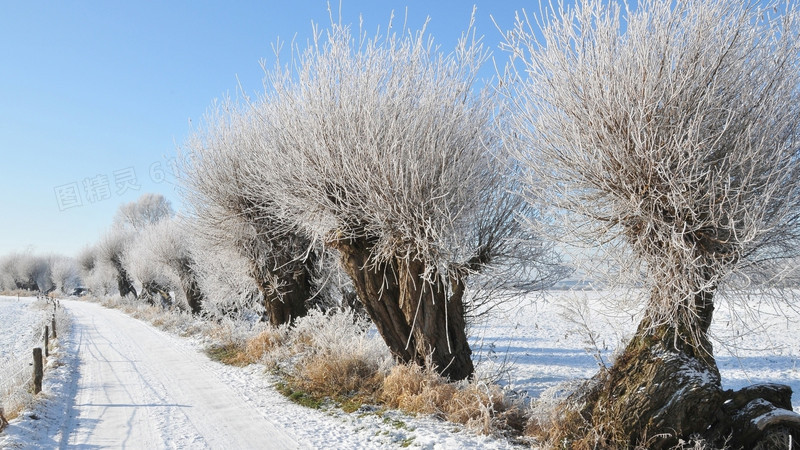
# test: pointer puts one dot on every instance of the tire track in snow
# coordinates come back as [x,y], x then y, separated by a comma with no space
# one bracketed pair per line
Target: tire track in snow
[136,391]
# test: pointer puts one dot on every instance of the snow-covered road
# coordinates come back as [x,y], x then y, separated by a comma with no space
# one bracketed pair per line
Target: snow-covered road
[134,391]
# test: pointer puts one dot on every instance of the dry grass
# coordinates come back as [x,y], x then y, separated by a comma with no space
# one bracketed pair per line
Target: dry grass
[238,352]
[341,378]
[330,356]
[263,343]
[486,408]
[172,320]
[334,356]
[479,405]
[416,390]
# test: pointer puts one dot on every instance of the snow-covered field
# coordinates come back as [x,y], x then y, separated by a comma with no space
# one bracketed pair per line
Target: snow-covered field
[20,331]
[542,341]
[531,346]
[17,321]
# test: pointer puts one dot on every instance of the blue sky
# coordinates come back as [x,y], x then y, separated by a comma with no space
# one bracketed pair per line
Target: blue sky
[96,96]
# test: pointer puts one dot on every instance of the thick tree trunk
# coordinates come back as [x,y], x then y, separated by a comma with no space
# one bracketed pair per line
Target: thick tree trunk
[285,293]
[664,387]
[152,291]
[124,284]
[415,318]
[194,296]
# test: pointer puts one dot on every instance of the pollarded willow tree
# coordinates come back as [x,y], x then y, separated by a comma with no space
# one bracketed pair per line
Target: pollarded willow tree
[388,151]
[65,274]
[130,218]
[100,279]
[161,257]
[672,127]
[219,184]
[109,250]
[223,275]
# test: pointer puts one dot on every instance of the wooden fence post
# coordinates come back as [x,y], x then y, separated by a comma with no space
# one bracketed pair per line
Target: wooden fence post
[3,421]
[38,370]
[53,323]
[46,341]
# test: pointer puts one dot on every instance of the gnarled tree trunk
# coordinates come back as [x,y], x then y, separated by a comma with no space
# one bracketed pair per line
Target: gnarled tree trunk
[152,290]
[285,291]
[194,296]
[188,279]
[415,318]
[664,387]
[124,284]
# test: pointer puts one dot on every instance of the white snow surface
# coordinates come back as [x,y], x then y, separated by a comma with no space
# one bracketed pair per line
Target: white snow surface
[21,329]
[542,341]
[18,328]
[121,382]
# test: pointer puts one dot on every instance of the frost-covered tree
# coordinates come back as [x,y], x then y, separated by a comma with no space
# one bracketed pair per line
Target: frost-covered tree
[387,151]
[161,258]
[7,271]
[220,189]
[671,127]
[129,220]
[86,260]
[150,281]
[6,274]
[100,279]
[65,274]
[26,271]
[110,250]
[224,278]
[148,209]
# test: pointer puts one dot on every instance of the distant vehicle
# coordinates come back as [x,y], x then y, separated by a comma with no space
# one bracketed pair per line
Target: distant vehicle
[80,291]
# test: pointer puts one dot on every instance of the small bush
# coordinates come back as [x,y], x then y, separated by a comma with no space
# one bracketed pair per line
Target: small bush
[416,390]
[337,378]
[265,342]
[243,352]
[479,405]
[485,408]
[332,355]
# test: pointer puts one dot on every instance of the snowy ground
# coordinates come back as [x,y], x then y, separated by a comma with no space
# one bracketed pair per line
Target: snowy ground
[17,322]
[122,383]
[545,340]
[20,331]
[534,345]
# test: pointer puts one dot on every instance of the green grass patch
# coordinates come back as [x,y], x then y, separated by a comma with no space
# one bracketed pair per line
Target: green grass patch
[396,424]
[229,354]
[405,443]
[299,397]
